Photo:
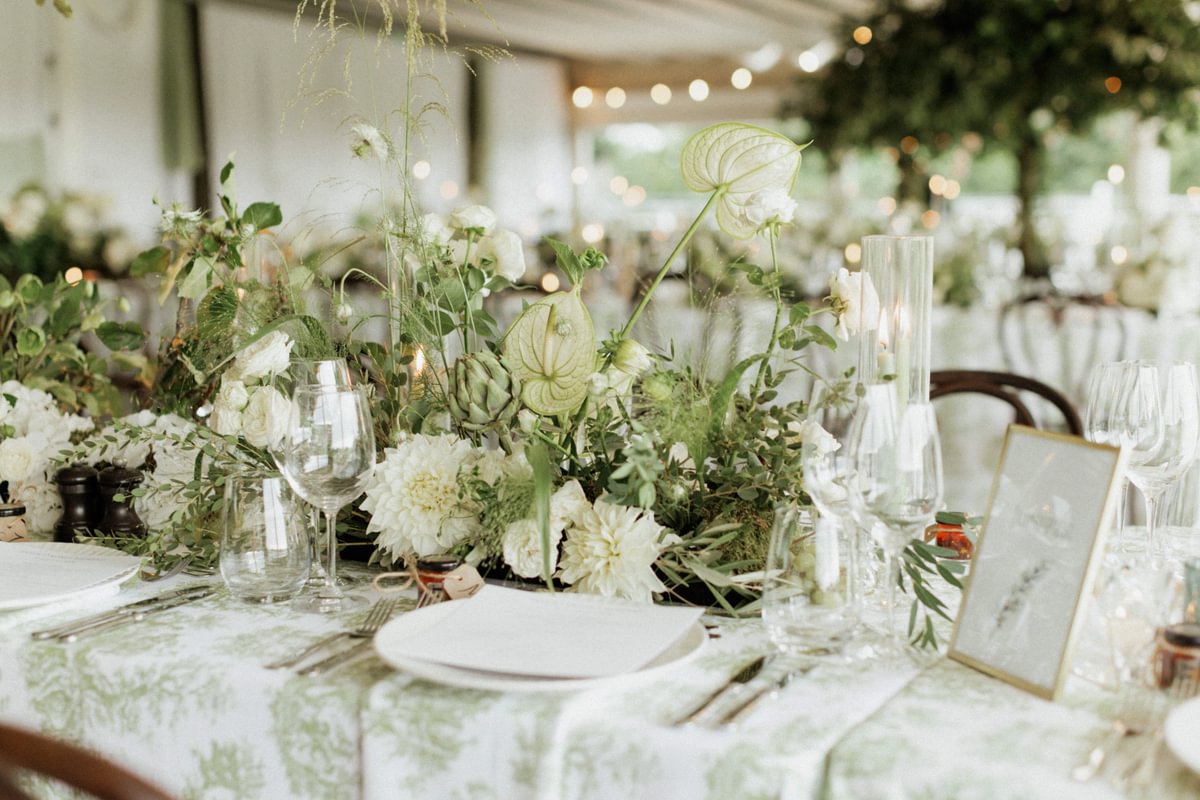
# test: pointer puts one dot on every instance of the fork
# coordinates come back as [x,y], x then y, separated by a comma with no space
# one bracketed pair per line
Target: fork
[424,599]
[1136,715]
[380,613]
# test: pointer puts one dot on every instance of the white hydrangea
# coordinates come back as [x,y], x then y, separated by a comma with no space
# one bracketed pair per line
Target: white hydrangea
[24,457]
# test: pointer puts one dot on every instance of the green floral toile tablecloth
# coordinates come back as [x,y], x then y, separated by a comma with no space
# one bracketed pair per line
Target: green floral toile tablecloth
[183,699]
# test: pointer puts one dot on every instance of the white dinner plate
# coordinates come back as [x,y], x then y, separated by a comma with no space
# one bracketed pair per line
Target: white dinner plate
[1182,732]
[34,573]
[389,643]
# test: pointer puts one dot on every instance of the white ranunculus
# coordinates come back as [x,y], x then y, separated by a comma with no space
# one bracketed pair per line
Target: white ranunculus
[479,218]
[413,497]
[266,418]
[613,552]
[368,141]
[855,302]
[507,253]
[22,457]
[522,545]
[232,395]
[263,358]
[813,435]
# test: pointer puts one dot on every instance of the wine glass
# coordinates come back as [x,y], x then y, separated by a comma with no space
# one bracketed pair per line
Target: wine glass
[1160,423]
[328,457]
[327,372]
[896,485]
[1107,386]
[826,462]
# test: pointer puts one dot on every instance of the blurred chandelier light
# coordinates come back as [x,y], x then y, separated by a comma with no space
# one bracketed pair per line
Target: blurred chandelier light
[615,97]
[741,78]
[816,56]
[582,97]
[763,58]
[698,90]
[862,35]
[1116,174]
[421,170]
[660,93]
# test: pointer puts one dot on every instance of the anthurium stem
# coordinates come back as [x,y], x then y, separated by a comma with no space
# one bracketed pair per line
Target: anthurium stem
[772,235]
[662,272]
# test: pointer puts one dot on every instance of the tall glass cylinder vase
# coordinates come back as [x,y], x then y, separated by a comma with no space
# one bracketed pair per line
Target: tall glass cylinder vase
[896,331]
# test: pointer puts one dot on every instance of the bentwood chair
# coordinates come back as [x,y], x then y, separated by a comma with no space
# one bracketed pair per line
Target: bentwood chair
[26,752]
[1012,389]
[1058,338]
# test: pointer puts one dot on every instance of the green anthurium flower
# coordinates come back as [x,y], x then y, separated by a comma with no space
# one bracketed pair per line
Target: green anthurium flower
[742,162]
[551,350]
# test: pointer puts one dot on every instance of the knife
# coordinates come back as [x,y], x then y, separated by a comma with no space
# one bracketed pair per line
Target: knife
[119,612]
[744,675]
[137,616]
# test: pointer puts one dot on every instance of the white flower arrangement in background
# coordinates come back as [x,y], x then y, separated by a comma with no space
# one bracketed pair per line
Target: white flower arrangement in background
[35,433]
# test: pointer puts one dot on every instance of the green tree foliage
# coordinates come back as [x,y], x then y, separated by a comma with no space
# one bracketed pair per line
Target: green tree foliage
[1009,71]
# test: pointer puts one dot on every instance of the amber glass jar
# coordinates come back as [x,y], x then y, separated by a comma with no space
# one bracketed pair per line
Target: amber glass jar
[1177,653]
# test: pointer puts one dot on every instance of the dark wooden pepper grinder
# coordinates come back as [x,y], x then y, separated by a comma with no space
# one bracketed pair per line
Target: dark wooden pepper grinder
[79,489]
[120,518]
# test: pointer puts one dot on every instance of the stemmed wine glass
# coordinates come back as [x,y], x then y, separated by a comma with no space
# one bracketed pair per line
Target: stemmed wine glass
[1107,387]
[896,484]
[326,372]
[327,457]
[1160,423]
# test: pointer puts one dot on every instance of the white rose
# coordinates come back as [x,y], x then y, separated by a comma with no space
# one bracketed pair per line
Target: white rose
[522,545]
[769,206]
[265,420]
[480,218]
[813,435]
[462,253]
[22,457]
[225,421]
[854,301]
[568,506]
[232,395]
[507,253]
[435,228]
[264,358]
[632,358]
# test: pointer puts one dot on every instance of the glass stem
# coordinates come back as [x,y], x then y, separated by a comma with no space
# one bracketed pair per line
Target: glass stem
[893,577]
[331,557]
[1152,546]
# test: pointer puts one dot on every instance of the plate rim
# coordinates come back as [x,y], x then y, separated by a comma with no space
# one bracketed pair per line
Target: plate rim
[464,678]
[96,550]
[1187,714]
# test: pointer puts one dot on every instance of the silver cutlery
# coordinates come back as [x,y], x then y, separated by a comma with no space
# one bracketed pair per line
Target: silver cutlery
[350,653]
[743,676]
[158,602]
[1135,715]
[1145,766]
[380,613]
[769,684]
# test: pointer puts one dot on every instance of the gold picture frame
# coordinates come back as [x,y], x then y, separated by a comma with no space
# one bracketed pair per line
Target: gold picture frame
[1041,545]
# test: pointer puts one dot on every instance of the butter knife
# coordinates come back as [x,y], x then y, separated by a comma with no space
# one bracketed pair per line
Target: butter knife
[190,592]
[744,675]
[338,658]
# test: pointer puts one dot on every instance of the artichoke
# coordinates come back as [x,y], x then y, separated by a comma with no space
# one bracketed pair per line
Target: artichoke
[482,391]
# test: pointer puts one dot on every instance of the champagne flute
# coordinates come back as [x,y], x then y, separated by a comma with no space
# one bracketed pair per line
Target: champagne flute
[1160,423]
[328,457]
[896,486]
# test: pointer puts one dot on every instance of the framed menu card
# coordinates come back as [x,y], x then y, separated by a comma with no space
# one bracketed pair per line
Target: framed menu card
[1042,542]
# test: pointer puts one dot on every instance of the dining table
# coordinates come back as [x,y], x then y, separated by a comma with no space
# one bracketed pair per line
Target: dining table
[184,698]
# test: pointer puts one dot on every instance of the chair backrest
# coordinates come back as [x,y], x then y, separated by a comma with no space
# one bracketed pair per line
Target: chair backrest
[26,751]
[1058,338]
[1007,387]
